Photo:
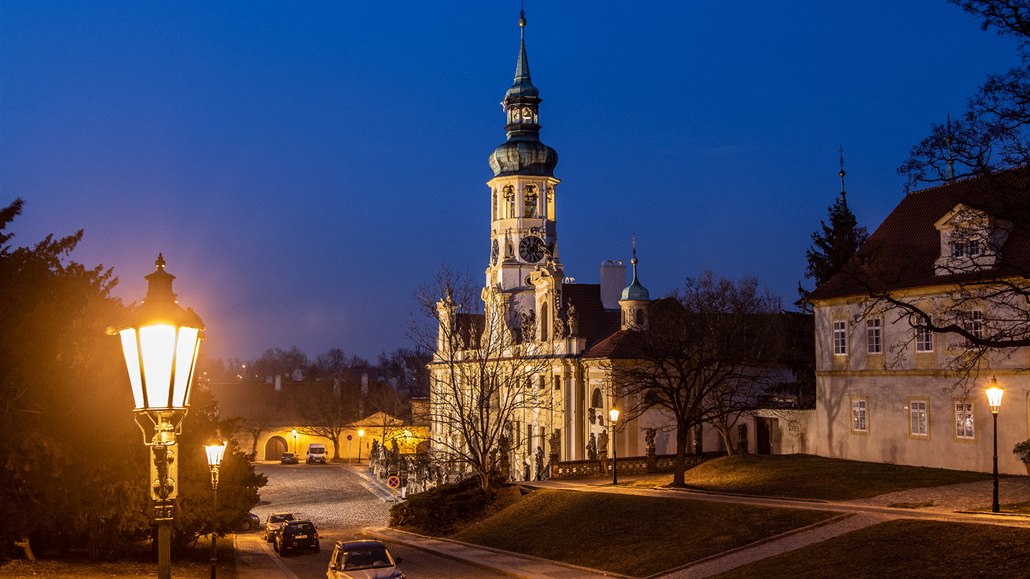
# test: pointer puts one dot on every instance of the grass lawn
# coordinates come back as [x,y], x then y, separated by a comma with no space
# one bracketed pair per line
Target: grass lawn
[905,549]
[628,534]
[194,563]
[805,476]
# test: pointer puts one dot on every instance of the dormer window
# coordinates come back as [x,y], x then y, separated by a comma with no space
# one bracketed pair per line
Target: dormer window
[970,241]
[965,247]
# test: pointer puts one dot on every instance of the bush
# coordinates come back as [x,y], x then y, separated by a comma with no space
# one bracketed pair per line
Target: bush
[1022,451]
[439,510]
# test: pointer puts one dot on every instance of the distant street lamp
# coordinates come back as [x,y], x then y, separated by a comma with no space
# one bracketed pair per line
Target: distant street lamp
[994,394]
[613,414]
[361,432]
[296,448]
[160,342]
[214,460]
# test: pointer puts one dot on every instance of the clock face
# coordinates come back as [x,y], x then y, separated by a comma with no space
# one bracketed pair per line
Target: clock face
[494,251]
[532,249]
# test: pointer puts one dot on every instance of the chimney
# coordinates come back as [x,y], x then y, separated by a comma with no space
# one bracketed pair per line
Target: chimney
[613,281]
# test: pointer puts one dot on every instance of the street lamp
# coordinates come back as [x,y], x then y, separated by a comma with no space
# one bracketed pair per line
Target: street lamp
[215,452]
[296,449]
[361,432]
[613,415]
[160,342]
[994,394]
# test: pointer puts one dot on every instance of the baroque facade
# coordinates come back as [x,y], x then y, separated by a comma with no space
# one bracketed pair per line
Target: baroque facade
[891,390]
[540,353]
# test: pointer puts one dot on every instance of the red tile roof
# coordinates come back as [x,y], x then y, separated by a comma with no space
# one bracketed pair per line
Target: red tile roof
[901,253]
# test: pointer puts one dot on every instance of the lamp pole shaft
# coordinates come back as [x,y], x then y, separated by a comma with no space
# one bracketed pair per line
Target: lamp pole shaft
[359,450]
[615,459]
[164,549]
[995,507]
[214,532]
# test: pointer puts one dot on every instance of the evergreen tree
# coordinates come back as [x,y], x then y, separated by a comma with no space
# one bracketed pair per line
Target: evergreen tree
[836,241]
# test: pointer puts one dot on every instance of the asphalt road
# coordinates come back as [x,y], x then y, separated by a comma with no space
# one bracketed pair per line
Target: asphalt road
[341,503]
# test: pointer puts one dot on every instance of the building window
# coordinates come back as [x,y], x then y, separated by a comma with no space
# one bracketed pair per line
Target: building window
[840,338]
[859,415]
[874,336]
[509,201]
[964,420]
[919,418]
[530,199]
[924,340]
[973,322]
[965,248]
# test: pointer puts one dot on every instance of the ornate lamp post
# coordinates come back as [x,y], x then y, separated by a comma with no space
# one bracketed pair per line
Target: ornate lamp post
[994,393]
[215,452]
[296,448]
[160,342]
[613,415]
[361,433]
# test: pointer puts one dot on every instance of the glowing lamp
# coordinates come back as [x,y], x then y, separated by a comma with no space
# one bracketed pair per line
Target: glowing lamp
[160,343]
[994,394]
[613,414]
[215,452]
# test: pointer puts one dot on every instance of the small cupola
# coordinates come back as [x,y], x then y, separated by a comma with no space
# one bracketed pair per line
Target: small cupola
[635,300]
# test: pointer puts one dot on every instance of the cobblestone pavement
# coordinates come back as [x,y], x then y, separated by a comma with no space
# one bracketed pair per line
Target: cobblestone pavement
[331,496]
[975,496]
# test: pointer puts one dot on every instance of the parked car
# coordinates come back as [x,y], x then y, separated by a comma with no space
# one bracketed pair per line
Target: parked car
[288,458]
[274,521]
[316,453]
[248,522]
[364,559]
[294,535]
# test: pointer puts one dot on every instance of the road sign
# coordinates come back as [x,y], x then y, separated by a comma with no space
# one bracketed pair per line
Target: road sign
[348,438]
[393,482]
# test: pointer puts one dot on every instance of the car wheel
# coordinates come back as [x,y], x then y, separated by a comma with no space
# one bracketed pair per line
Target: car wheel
[245,526]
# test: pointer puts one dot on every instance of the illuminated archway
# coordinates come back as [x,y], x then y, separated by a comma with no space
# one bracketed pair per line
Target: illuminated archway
[275,447]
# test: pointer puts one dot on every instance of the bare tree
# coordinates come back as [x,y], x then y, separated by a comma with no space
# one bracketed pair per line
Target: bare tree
[328,411]
[992,133]
[480,375]
[990,145]
[704,356]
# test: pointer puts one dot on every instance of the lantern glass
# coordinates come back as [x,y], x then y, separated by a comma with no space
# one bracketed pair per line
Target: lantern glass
[215,453]
[614,414]
[131,351]
[994,394]
[186,351]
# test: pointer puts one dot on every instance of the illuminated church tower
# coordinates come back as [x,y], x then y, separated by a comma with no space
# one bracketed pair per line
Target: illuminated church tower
[524,266]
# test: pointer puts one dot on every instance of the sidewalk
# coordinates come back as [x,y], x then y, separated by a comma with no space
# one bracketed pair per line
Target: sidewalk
[952,503]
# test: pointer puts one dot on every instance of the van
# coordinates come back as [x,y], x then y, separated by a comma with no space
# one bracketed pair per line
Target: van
[316,453]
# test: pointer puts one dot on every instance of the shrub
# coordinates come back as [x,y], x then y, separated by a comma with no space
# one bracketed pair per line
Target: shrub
[1022,451]
[438,510]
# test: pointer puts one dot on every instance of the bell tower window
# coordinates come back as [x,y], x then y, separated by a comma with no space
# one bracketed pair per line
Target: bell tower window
[509,200]
[529,201]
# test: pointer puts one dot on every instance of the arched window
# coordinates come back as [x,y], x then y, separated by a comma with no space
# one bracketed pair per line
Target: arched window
[544,323]
[509,200]
[529,199]
[493,206]
[595,399]
[640,317]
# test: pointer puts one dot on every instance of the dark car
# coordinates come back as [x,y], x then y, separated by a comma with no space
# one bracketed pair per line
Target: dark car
[248,522]
[364,559]
[296,535]
[288,458]
[274,521]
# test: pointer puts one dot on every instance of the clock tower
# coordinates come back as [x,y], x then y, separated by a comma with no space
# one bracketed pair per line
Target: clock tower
[523,235]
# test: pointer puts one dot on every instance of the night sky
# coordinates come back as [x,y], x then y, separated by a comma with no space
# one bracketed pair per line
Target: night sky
[305,166]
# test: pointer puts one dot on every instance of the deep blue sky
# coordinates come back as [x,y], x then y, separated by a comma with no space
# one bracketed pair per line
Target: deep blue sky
[304,167]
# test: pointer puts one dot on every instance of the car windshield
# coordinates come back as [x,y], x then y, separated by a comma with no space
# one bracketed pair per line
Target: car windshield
[294,528]
[317,451]
[366,558]
[281,518]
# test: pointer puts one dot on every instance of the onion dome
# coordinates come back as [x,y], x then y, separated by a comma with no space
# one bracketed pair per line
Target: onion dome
[523,153]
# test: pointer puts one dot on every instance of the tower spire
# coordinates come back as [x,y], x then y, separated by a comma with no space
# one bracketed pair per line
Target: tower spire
[843,195]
